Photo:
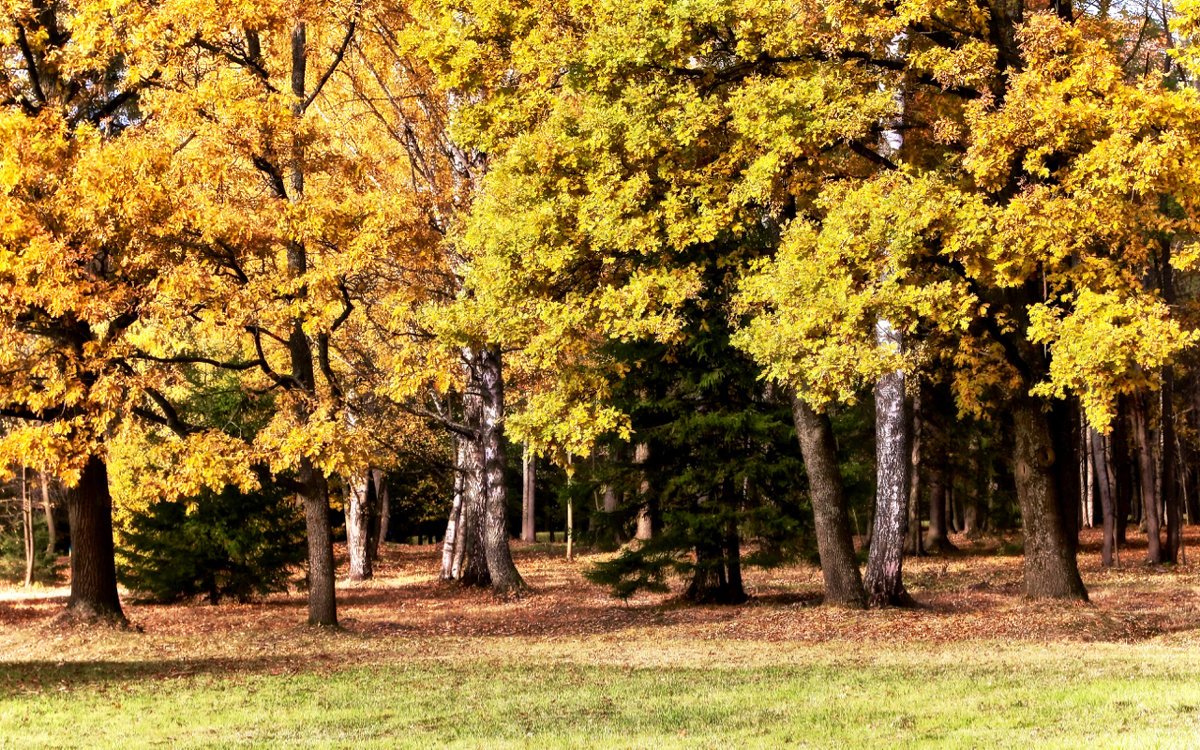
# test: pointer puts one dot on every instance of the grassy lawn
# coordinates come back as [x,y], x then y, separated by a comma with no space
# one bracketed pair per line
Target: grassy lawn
[420,665]
[991,695]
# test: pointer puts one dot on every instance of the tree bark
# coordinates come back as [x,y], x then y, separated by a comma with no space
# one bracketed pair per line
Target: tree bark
[835,544]
[1104,492]
[528,499]
[883,581]
[322,603]
[93,571]
[1051,570]
[453,536]
[473,568]
[360,498]
[504,575]
[1145,452]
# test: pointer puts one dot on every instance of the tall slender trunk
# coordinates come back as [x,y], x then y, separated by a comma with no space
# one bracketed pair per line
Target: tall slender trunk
[1172,501]
[884,581]
[1122,472]
[360,491]
[52,542]
[314,488]
[835,544]
[914,543]
[1104,492]
[528,498]
[1051,570]
[93,571]
[383,519]
[451,542]
[505,578]
[1145,453]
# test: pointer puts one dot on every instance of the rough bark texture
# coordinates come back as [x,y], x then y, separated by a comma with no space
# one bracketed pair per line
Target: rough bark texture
[1145,454]
[835,544]
[528,498]
[1105,494]
[384,517]
[360,497]
[505,578]
[1050,565]
[883,580]
[473,569]
[93,572]
[322,604]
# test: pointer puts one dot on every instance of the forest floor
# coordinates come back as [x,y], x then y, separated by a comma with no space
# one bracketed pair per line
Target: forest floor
[418,663]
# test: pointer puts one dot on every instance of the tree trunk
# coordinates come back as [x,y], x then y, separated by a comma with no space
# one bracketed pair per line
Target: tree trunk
[505,578]
[1122,472]
[383,518]
[322,603]
[52,542]
[1172,502]
[453,537]
[883,581]
[473,569]
[1064,420]
[1050,566]
[529,467]
[360,497]
[835,545]
[1104,492]
[1145,453]
[914,544]
[93,572]
[645,526]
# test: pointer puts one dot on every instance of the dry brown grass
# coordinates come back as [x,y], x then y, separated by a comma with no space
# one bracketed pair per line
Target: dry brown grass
[973,595]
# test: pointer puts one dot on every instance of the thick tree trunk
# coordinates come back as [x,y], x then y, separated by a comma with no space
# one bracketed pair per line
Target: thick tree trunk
[505,578]
[883,581]
[93,572]
[473,568]
[322,603]
[1064,420]
[52,542]
[938,538]
[1050,566]
[1105,494]
[528,499]
[360,497]
[1145,453]
[835,545]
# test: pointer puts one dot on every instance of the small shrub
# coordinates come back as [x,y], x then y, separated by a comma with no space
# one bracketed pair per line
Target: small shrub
[219,544]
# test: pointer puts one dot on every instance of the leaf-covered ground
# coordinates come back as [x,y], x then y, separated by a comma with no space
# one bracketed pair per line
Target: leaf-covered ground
[570,665]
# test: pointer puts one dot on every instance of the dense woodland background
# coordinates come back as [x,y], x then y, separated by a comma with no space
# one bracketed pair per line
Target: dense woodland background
[715,284]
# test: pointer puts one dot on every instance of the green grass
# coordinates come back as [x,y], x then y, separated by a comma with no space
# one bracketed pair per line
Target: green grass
[515,694]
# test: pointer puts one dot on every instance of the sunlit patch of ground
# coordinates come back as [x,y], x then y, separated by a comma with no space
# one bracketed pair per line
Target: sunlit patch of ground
[974,594]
